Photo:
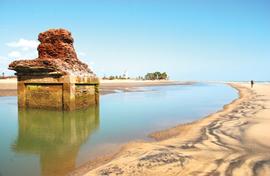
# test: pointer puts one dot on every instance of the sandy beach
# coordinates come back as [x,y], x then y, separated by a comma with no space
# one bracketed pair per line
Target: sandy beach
[233,141]
[8,87]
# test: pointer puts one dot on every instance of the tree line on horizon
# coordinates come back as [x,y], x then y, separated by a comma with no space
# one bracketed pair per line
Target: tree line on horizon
[149,76]
[115,77]
[156,76]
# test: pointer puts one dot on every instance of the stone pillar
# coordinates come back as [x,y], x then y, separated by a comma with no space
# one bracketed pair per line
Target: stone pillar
[21,94]
[68,94]
[97,93]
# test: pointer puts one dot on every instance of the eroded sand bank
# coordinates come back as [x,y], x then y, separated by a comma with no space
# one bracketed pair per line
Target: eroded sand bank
[233,141]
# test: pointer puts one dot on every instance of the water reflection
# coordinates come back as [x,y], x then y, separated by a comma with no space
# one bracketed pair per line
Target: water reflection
[55,136]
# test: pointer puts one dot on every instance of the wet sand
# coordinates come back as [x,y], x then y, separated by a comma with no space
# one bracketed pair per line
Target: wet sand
[8,87]
[233,141]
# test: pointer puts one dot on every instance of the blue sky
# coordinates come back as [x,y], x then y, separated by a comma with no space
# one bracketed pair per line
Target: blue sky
[189,39]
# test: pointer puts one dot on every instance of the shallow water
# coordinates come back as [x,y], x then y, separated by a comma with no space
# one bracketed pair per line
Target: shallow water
[36,142]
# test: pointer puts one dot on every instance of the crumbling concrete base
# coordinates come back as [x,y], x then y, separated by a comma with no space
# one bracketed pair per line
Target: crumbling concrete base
[57,92]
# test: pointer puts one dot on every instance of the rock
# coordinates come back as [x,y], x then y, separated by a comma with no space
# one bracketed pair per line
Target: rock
[56,43]
[55,54]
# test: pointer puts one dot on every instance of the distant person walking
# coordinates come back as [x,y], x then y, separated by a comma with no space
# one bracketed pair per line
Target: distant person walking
[251,83]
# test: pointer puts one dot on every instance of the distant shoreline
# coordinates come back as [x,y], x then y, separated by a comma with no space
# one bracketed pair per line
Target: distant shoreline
[8,87]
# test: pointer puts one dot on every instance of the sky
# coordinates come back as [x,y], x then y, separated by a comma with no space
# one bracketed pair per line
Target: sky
[201,40]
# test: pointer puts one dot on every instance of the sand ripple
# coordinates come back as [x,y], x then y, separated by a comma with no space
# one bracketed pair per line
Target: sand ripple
[234,141]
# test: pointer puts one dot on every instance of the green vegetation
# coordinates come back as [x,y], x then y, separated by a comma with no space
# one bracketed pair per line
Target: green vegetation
[149,76]
[156,76]
[115,77]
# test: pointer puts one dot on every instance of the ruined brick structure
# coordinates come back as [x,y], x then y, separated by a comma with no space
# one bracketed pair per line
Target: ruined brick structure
[57,79]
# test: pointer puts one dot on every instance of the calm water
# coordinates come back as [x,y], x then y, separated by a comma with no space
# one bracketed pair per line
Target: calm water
[54,143]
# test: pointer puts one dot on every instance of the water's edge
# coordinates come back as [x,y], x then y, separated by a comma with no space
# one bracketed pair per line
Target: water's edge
[156,136]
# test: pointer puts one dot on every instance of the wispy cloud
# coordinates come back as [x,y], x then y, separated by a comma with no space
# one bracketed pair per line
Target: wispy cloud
[81,54]
[22,49]
[23,44]
[91,63]
[14,54]
[2,58]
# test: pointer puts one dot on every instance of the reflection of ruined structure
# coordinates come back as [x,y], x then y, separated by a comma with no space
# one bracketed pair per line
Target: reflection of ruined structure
[57,79]
[55,136]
